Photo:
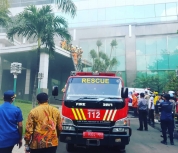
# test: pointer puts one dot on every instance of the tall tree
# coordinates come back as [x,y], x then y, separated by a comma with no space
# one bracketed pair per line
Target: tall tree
[113,45]
[4,13]
[42,25]
[98,44]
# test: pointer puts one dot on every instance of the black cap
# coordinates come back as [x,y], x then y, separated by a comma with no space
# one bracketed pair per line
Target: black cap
[142,94]
[9,95]
[166,96]
[42,97]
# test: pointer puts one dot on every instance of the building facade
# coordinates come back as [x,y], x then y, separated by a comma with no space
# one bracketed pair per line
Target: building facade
[145,30]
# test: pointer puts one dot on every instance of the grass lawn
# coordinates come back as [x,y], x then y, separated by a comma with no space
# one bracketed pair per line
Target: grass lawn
[25,111]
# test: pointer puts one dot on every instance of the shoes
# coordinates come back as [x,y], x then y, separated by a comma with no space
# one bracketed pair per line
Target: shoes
[172,143]
[161,135]
[164,142]
[140,129]
[146,129]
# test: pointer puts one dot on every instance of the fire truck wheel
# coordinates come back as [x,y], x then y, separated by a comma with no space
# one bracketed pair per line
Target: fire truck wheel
[70,147]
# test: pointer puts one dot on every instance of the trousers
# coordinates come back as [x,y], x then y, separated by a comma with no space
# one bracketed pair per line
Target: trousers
[6,150]
[167,125]
[44,150]
[143,119]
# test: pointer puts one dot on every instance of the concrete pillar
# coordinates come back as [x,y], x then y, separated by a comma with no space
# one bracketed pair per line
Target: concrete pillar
[130,45]
[27,84]
[44,66]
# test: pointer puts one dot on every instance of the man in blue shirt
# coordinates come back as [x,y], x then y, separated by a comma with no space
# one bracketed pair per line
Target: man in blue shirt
[167,119]
[10,124]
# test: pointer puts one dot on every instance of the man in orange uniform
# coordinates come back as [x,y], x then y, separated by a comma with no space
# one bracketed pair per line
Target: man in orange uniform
[134,103]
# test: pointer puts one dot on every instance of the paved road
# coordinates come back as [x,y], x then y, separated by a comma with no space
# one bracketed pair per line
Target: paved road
[141,142]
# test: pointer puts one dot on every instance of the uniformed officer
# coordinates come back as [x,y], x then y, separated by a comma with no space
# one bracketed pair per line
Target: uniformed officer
[166,119]
[10,124]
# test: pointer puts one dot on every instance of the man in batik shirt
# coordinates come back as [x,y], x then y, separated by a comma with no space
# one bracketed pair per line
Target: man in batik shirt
[43,127]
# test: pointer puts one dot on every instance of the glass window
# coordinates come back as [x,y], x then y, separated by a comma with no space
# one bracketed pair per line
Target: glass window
[171,18]
[101,14]
[129,12]
[108,46]
[172,44]
[128,2]
[92,15]
[149,11]
[139,11]
[163,62]
[84,45]
[138,2]
[82,16]
[162,45]
[120,48]
[120,3]
[110,13]
[120,65]
[152,73]
[171,9]
[120,12]
[162,74]
[160,10]
[150,45]
[92,4]
[140,46]
[84,5]
[173,62]
[149,1]
[141,73]
[141,63]
[151,62]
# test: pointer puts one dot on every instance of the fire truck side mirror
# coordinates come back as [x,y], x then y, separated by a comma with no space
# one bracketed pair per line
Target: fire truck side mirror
[124,92]
[55,91]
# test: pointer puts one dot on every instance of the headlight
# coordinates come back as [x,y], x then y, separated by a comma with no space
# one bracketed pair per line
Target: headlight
[122,122]
[68,121]
[67,124]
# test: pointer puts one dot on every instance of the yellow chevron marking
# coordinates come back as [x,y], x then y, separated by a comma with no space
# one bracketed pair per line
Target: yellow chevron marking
[73,111]
[105,115]
[83,115]
[109,115]
[78,113]
[113,115]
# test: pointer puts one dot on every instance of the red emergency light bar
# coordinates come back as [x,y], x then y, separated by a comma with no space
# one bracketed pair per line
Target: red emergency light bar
[92,73]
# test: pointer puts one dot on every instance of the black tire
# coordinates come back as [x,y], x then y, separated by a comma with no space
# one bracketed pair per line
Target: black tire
[70,147]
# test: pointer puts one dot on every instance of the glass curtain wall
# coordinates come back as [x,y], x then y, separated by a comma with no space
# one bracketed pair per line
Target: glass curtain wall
[156,55]
[21,3]
[118,52]
[113,12]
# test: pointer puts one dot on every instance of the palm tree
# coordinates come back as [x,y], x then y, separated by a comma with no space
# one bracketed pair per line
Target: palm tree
[113,45]
[42,25]
[98,44]
[4,13]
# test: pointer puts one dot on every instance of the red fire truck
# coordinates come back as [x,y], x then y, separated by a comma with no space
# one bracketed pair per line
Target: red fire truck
[94,111]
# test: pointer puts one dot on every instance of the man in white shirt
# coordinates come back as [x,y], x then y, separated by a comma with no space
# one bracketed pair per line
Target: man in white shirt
[151,108]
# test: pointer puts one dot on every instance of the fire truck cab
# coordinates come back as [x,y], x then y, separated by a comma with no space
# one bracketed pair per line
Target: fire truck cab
[94,111]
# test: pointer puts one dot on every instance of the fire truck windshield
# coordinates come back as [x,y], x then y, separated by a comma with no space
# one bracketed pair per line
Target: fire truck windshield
[93,87]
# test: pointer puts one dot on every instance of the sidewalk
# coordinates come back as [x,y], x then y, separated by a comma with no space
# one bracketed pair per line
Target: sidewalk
[22,149]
